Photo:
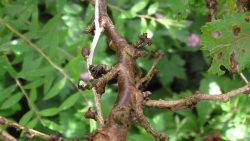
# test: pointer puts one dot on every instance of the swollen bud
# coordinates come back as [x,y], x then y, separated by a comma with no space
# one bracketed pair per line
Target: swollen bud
[85,52]
[90,114]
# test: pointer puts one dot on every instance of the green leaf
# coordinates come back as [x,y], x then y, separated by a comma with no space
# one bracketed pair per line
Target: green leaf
[33,95]
[70,101]
[32,123]
[6,92]
[11,101]
[228,42]
[49,112]
[153,8]
[166,67]
[51,125]
[143,25]
[231,5]
[34,84]
[204,109]
[55,89]
[26,118]
[139,6]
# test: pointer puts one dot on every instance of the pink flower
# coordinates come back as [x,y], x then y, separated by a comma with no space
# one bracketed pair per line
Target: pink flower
[193,40]
[216,34]
[85,76]
[159,16]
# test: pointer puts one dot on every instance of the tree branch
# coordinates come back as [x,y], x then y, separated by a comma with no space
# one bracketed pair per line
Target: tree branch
[30,133]
[5,136]
[191,101]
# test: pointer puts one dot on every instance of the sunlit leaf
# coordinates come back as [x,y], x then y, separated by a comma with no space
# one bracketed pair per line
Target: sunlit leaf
[55,89]
[70,101]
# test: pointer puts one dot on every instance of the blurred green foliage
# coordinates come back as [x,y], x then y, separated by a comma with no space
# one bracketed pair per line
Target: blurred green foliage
[39,95]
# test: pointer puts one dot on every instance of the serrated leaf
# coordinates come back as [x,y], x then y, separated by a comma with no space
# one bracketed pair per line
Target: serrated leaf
[11,101]
[228,42]
[55,89]
[49,112]
[70,101]
[26,118]
[166,74]
[204,109]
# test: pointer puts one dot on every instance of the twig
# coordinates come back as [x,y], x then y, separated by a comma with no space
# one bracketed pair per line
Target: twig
[39,51]
[152,70]
[5,136]
[30,132]
[31,105]
[98,31]
[243,77]
[192,100]
[144,122]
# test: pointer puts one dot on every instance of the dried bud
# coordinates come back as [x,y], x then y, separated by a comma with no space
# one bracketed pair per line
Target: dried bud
[146,94]
[90,114]
[54,137]
[143,41]
[2,121]
[89,137]
[28,135]
[85,52]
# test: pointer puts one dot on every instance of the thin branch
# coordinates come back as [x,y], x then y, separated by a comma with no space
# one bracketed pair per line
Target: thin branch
[31,132]
[98,31]
[189,102]
[144,122]
[152,70]
[54,65]
[243,77]
[5,136]
[31,105]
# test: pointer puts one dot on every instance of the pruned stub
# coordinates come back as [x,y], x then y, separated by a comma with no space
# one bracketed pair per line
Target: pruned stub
[233,63]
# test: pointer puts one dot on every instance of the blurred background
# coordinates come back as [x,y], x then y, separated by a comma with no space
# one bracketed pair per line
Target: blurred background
[41,63]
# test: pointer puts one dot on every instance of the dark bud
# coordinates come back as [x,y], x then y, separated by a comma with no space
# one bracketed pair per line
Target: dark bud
[89,137]
[2,121]
[90,114]
[54,137]
[211,4]
[143,41]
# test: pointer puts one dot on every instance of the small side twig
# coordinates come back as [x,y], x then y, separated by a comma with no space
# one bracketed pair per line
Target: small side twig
[147,78]
[144,122]
[5,136]
[243,77]
[192,100]
[31,132]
